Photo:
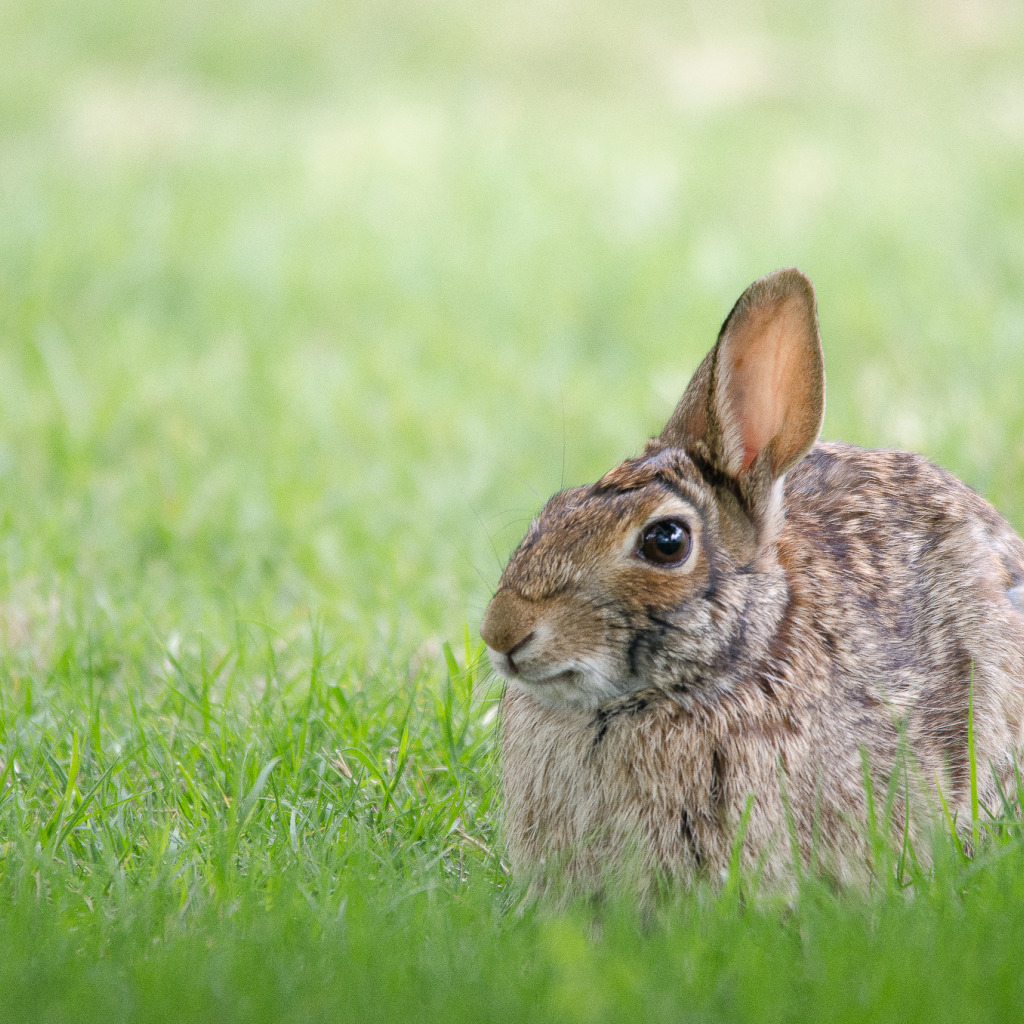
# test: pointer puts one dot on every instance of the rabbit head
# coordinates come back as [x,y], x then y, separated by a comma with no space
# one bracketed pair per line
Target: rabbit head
[679,542]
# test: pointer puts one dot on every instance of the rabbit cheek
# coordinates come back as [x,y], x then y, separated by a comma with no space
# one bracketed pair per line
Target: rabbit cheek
[557,650]
[574,666]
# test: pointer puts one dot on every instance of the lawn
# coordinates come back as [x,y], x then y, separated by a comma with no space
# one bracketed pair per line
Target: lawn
[305,308]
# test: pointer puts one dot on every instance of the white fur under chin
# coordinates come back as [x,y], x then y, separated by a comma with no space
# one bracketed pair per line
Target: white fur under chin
[582,687]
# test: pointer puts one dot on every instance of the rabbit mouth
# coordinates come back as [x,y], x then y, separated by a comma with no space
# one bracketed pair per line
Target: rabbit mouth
[529,675]
[573,685]
[568,675]
[579,688]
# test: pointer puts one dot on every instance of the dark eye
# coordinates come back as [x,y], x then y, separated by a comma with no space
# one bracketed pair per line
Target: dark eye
[667,542]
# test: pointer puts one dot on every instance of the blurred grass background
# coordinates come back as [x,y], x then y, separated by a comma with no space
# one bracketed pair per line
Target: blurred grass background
[312,304]
[305,308]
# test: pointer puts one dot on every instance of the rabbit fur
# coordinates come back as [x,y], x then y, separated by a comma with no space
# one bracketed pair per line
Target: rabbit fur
[834,610]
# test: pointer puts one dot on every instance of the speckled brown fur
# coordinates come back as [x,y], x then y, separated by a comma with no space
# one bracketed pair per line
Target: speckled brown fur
[834,601]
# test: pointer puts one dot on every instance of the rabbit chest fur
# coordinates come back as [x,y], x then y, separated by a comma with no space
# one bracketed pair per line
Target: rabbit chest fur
[744,613]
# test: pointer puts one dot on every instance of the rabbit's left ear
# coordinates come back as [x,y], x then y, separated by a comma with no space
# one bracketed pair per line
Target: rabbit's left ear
[755,405]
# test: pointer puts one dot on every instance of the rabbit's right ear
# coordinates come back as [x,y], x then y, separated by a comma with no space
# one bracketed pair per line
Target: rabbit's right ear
[755,405]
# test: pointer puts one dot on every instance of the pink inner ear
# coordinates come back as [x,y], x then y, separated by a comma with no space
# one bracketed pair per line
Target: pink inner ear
[749,454]
[763,367]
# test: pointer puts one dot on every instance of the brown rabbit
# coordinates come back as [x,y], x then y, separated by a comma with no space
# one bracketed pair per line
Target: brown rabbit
[743,611]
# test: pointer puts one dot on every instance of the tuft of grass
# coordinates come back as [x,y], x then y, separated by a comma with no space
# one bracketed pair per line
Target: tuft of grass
[326,843]
[206,790]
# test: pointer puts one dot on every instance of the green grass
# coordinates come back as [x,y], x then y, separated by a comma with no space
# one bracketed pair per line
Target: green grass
[304,310]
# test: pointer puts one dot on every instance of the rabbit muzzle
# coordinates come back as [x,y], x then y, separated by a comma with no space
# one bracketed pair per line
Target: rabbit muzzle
[529,644]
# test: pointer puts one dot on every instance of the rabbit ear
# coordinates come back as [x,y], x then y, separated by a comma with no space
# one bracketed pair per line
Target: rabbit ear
[755,405]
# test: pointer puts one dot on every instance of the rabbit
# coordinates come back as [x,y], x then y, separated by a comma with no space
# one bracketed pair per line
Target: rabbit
[741,612]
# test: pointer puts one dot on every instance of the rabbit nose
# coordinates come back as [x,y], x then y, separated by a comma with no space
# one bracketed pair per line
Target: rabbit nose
[508,625]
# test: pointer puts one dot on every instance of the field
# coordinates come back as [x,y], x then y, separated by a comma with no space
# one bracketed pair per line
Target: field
[305,308]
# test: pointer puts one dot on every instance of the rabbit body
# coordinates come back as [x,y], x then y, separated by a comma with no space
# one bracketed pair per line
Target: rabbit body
[837,647]
[809,611]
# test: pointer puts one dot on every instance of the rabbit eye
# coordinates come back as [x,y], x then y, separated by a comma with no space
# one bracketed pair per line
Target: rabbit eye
[666,543]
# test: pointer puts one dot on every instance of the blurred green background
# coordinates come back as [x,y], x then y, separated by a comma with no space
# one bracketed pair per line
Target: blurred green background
[306,307]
